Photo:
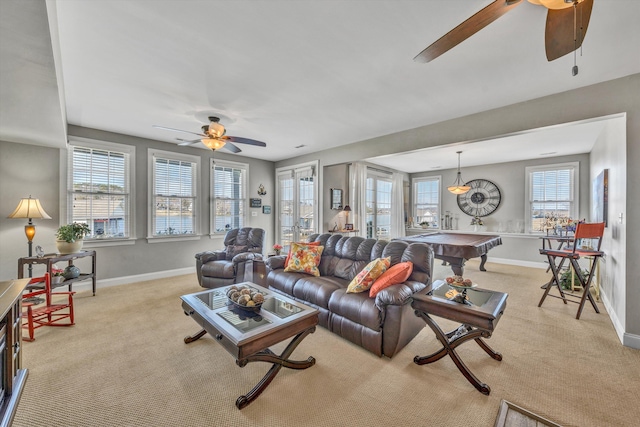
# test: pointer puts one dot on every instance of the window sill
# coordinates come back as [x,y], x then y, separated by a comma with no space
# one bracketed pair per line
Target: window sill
[172,239]
[99,243]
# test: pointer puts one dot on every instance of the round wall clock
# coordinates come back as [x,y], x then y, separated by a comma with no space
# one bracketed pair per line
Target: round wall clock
[482,200]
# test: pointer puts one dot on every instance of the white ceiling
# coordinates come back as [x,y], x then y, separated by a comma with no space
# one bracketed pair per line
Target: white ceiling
[318,73]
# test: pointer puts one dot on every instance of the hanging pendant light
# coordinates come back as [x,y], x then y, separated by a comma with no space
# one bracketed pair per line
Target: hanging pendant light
[458,186]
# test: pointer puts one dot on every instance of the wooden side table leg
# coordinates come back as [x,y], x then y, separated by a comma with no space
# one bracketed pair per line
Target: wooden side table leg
[278,362]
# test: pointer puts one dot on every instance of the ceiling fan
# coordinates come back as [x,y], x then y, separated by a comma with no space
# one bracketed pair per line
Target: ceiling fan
[567,22]
[213,136]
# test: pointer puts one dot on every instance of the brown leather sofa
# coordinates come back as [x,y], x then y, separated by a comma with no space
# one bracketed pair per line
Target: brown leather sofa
[384,324]
[241,260]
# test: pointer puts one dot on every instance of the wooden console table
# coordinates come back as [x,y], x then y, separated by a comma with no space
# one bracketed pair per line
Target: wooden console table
[50,259]
[12,375]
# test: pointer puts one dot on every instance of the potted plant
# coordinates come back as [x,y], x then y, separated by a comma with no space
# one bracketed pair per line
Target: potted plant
[70,237]
[57,275]
[277,248]
[424,224]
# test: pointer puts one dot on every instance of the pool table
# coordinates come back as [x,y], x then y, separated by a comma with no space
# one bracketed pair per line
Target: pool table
[456,248]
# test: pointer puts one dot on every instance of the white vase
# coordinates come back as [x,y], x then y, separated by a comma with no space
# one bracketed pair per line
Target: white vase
[56,280]
[69,248]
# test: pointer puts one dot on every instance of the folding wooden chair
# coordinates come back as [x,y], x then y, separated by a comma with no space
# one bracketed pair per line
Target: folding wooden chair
[45,313]
[586,243]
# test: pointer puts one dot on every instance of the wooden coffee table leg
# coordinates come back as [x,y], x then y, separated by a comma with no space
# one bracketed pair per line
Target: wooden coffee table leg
[452,340]
[194,337]
[278,362]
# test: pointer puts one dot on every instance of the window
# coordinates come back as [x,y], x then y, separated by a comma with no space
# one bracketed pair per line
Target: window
[173,194]
[99,187]
[228,192]
[378,204]
[552,193]
[426,201]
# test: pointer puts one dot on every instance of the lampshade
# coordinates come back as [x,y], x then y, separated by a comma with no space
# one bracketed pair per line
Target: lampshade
[213,143]
[347,208]
[458,186]
[29,208]
[216,130]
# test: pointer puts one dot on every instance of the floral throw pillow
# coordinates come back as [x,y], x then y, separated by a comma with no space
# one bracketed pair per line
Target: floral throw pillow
[305,259]
[286,261]
[363,281]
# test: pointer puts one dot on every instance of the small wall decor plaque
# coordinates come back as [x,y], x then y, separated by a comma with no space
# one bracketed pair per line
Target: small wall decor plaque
[266,209]
[255,203]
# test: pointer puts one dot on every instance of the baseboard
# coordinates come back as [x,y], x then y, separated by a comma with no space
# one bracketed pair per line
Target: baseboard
[519,262]
[123,280]
[627,339]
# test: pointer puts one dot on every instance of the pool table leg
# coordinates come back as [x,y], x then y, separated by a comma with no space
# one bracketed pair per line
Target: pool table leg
[483,259]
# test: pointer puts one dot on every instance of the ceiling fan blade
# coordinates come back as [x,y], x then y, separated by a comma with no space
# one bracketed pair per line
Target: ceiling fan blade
[559,31]
[245,141]
[465,30]
[188,142]
[231,147]
[177,130]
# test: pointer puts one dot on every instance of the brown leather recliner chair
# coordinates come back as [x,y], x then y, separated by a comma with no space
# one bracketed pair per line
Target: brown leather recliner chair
[240,261]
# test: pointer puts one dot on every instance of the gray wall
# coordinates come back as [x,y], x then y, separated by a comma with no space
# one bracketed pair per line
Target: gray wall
[335,176]
[603,99]
[27,169]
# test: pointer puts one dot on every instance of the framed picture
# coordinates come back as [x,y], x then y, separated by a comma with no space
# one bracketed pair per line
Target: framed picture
[255,203]
[266,209]
[336,199]
[348,227]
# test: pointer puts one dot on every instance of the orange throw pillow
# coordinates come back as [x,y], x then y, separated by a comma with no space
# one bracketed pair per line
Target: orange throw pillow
[396,274]
[286,261]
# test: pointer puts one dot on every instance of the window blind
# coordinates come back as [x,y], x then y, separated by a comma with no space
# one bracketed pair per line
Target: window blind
[174,197]
[229,196]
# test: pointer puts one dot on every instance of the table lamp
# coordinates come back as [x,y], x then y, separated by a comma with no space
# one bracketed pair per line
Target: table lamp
[29,208]
[346,210]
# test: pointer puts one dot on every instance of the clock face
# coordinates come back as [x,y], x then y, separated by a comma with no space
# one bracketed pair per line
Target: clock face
[482,200]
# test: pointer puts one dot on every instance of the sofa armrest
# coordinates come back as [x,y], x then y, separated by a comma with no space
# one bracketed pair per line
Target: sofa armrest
[398,294]
[205,257]
[275,262]
[245,256]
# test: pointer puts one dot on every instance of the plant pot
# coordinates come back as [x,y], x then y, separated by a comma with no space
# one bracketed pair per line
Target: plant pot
[56,280]
[69,248]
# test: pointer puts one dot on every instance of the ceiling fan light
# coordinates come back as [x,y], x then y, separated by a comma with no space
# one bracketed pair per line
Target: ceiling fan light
[536,2]
[213,143]
[216,130]
[557,4]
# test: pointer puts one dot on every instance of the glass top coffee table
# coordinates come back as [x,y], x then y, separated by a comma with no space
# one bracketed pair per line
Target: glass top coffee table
[247,333]
[478,310]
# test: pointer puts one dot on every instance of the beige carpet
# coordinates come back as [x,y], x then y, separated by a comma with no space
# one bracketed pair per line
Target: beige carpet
[125,364]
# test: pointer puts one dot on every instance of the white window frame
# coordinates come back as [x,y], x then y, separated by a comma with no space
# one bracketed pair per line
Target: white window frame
[244,167]
[171,155]
[414,198]
[574,201]
[66,201]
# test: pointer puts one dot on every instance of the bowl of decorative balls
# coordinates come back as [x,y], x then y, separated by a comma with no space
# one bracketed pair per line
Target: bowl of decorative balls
[458,282]
[245,297]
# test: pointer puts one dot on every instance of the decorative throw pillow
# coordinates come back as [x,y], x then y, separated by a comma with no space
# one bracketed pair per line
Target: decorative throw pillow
[234,250]
[363,281]
[286,261]
[305,259]
[396,274]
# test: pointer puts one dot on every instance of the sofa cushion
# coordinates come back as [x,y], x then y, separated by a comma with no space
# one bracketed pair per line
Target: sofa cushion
[363,280]
[357,307]
[222,269]
[304,259]
[394,275]
[317,290]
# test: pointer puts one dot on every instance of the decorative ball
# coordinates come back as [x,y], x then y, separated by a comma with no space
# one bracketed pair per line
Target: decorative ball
[234,296]
[71,272]
[245,291]
[251,303]
[258,298]
[243,299]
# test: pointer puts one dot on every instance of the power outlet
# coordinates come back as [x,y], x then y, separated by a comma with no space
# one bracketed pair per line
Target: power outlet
[254,213]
